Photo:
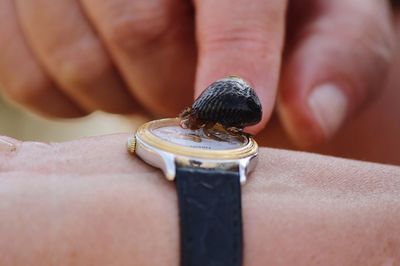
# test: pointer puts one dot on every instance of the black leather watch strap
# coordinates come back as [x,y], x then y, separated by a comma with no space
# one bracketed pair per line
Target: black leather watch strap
[210,217]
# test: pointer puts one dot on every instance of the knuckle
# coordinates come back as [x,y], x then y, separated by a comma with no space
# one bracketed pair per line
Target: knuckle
[373,32]
[82,72]
[246,39]
[74,71]
[143,27]
[380,41]
[26,91]
[378,45]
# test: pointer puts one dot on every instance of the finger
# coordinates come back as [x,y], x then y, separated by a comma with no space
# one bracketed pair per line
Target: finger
[71,52]
[152,44]
[22,79]
[337,63]
[244,40]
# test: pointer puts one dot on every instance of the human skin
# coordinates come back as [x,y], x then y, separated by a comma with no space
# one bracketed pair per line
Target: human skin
[372,135]
[89,202]
[325,59]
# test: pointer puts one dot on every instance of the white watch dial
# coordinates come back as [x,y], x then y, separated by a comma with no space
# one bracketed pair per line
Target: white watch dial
[198,139]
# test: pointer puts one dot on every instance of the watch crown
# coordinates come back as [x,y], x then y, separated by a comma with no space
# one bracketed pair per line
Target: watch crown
[131,144]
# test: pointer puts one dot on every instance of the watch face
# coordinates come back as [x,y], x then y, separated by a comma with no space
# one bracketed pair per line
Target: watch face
[198,139]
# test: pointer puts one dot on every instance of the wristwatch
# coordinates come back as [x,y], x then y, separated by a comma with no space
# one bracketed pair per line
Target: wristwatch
[208,173]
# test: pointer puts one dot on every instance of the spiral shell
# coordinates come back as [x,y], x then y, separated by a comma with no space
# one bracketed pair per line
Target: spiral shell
[230,102]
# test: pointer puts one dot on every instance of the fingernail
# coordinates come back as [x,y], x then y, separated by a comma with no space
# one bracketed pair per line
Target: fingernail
[329,105]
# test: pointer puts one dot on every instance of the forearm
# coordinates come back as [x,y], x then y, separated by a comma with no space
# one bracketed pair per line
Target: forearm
[89,202]
[92,205]
[78,220]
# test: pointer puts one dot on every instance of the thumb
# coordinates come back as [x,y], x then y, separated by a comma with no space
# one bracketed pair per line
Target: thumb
[241,40]
[337,65]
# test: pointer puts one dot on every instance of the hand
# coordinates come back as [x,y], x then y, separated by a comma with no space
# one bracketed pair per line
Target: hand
[88,202]
[68,58]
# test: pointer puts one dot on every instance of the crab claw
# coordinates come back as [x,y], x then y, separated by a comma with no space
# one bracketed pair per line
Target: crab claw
[184,123]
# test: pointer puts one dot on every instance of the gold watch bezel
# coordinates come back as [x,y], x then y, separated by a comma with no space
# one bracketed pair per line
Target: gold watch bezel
[145,134]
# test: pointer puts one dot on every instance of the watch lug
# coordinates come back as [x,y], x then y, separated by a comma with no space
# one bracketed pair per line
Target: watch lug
[168,167]
[243,164]
[246,165]
[156,157]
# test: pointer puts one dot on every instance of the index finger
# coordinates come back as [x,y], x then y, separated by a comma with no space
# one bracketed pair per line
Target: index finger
[240,39]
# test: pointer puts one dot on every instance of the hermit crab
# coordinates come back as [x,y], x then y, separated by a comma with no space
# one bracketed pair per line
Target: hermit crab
[228,104]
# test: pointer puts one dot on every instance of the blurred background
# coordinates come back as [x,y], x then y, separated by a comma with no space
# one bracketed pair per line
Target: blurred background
[23,125]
